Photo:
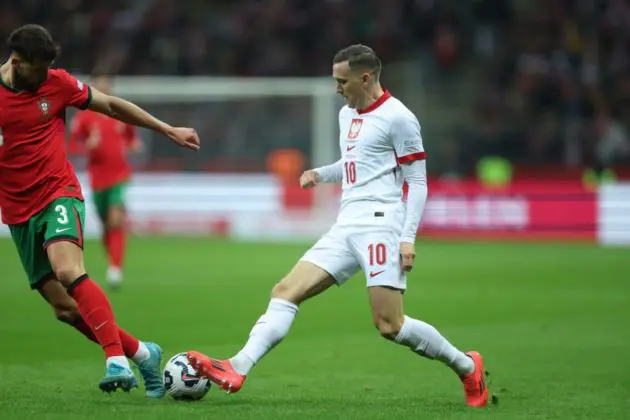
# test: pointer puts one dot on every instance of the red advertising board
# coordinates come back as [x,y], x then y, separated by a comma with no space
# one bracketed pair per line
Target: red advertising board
[524,210]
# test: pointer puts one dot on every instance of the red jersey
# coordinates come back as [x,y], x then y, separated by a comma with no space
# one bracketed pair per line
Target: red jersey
[34,168]
[107,161]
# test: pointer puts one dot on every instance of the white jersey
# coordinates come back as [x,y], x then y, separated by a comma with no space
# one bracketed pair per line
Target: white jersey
[374,142]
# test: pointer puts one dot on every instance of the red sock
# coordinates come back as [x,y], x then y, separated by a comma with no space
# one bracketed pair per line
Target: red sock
[115,244]
[129,343]
[97,313]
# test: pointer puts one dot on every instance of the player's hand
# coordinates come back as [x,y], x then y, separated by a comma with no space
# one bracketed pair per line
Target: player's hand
[185,137]
[407,255]
[309,179]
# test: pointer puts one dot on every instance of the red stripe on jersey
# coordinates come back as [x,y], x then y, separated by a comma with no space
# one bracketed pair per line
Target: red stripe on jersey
[412,157]
[380,101]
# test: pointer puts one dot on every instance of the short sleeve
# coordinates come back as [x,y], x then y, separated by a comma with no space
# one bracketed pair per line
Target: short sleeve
[76,93]
[405,132]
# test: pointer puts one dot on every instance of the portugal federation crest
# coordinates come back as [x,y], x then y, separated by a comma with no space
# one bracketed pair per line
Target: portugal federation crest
[44,106]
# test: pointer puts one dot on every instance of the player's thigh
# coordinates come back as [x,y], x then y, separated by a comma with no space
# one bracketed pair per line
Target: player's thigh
[333,254]
[378,253]
[28,238]
[63,238]
[304,281]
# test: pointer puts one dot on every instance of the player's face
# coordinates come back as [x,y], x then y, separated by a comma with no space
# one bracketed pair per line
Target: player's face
[29,75]
[350,84]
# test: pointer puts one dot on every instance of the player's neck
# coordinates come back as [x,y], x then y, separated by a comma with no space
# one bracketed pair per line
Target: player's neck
[7,79]
[372,96]
[5,74]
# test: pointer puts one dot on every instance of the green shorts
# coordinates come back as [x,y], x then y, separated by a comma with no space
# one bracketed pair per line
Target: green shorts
[61,220]
[113,196]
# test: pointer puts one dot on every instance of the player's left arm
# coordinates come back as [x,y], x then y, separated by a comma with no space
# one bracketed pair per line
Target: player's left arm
[130,113]
[412,160]
[80,95]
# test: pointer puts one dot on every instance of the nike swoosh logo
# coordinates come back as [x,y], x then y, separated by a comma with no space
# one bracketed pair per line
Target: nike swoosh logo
[350,148]
[61,230]
[100,326]
[187,377]
[376,273]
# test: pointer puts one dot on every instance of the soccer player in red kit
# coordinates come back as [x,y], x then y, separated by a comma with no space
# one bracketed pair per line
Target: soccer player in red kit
[42,203]
[106,142]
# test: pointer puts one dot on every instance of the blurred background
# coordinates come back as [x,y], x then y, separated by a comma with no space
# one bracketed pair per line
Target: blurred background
[541,83]
[505,90]
[525,114]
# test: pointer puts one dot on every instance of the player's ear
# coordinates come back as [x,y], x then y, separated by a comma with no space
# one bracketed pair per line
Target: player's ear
[365,78]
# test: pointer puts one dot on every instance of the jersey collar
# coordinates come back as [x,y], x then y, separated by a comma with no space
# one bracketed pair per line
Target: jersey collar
[380,101]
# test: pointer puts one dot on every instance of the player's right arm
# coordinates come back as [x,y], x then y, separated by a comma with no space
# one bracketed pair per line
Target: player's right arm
[130,113]
[329,173]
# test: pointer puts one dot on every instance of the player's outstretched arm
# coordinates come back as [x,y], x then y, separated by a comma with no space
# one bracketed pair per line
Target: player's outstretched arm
[129,113]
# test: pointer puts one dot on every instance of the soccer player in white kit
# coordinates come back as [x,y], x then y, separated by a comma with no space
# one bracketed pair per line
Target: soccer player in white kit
[381,148]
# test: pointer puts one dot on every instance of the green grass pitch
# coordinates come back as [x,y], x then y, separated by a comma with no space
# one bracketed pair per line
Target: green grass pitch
[551,320]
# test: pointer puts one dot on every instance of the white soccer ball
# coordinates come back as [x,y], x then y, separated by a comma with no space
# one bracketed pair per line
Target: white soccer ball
[181,380]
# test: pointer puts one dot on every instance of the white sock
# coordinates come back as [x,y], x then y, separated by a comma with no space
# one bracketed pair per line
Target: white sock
[425,340]
[119,360]
[268,331]
[114,275]
[142,354]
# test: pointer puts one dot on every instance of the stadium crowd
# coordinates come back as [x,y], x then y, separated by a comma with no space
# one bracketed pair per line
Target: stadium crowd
[554,79]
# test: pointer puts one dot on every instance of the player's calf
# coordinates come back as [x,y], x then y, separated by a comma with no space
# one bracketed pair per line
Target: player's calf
[63,306]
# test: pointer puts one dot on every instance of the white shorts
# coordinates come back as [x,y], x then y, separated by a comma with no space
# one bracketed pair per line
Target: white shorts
[345,250]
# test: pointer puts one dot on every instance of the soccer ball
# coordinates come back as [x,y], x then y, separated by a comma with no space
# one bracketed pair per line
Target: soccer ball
[181,380]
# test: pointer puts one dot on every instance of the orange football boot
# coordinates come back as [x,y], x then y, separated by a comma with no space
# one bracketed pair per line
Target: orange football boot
[475,385]
[220,372]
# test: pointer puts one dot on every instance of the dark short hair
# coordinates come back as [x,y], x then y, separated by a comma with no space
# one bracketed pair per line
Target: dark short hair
[360,57]
[33,43]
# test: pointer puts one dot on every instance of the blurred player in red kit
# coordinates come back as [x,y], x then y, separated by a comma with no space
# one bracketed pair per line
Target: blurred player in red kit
[42,202]
[107,142]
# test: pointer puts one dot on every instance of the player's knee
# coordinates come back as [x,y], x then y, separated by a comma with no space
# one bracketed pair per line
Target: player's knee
[388,327]
[115,218]
[68,272]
